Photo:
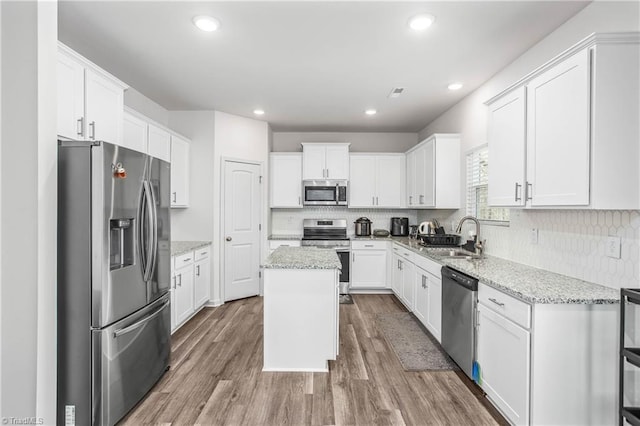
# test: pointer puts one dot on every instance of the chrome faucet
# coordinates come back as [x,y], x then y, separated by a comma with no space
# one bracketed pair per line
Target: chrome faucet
[479,244]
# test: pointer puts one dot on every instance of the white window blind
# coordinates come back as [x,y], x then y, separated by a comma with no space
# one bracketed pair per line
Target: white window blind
[478,187]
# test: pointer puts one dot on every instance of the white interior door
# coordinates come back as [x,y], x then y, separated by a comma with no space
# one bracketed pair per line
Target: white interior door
[241,230]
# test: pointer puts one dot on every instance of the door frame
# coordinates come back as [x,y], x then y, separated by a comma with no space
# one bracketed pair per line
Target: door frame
[263,218]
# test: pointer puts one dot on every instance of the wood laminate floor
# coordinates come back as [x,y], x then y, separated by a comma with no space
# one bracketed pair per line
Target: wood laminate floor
[216,378]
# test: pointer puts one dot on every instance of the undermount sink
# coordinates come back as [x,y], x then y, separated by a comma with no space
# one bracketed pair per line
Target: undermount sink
[462,254]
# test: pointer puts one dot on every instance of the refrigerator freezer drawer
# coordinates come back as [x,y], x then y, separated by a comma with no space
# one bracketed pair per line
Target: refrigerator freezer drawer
[128,358]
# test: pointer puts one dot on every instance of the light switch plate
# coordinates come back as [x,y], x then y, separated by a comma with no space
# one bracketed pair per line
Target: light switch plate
[533,236]
[613,247]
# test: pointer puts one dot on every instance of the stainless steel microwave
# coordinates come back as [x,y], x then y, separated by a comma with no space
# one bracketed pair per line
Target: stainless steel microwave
[325,192]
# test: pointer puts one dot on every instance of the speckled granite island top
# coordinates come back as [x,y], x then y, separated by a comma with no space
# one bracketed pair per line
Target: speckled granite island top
[182,247]
[285,237]
[527,283]
[302,258]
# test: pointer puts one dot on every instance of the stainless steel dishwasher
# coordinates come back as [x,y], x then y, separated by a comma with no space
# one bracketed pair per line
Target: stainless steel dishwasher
[459,299]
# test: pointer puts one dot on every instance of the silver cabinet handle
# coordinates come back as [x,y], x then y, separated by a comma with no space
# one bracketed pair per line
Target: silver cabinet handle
[204,253]
[496,302]
[518,186]
[80,126]
[299,201]
[354,257]
[373,201]
[410,200]
[377,203]
[197,270]
[529,191]
[187,259]
[368,245]
[228,238]
[174,281]
[422,199]
[174,197]
[327,173]
[401,265]
[92,134]
[424,281]
[180,280]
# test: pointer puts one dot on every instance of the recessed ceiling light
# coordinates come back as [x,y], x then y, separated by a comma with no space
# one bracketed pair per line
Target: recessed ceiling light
[421,22]
[371,112]
[454,86]
[206,23]
[258,112]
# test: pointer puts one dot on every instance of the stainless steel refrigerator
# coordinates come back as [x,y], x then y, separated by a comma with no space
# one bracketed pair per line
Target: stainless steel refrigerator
[113,279]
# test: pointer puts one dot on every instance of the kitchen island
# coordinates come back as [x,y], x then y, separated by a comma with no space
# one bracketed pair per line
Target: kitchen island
[300,309]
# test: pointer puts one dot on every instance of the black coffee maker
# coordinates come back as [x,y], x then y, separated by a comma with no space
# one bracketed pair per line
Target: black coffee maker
[399,226]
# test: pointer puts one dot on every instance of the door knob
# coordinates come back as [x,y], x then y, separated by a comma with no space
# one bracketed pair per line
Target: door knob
[228,238]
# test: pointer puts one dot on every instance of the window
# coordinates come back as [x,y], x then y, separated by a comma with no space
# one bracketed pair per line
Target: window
[478,188]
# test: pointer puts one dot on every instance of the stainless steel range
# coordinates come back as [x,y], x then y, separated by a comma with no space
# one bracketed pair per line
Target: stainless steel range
[330,234]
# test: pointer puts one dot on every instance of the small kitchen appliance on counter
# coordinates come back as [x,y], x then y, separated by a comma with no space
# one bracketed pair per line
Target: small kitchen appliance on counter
[399,226]
[363,227]
[413,231]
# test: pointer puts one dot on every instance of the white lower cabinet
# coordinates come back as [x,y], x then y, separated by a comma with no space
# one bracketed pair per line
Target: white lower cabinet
[503,353]
[368,264]
[403,276]
[428,303]
[191,284]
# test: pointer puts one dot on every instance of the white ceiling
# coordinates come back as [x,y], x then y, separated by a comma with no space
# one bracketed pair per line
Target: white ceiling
[312,66]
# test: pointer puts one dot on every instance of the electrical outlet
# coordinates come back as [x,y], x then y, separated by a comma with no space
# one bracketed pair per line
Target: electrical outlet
[613,247]
[533,236]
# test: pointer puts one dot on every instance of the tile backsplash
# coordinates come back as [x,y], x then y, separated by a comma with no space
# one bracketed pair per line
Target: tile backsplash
[570,242]
[289,221]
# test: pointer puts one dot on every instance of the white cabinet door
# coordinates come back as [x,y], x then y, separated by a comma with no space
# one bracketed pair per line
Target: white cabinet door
[390,181]
[362,185]
[159,145]
[184,293]
[202,282]
[70,98]
[507,152]
[411,179]
[420,173]
[421,305]
[558,108]
[313,161]
[396,275]
[134,133]
[429,197]
[286,180]
[368,268]
[337,161]
[408,283]
[503,353]
[434,310]
[180,171]
[104,102]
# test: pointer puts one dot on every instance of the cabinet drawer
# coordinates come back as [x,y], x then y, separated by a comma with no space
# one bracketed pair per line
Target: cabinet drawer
[368,245]
[274,244]
[508,306]
[428,265]
[183,260]
[202,253]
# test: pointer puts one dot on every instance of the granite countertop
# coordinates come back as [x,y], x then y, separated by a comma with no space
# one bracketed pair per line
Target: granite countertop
[182,247]
[302,258]
[524,282]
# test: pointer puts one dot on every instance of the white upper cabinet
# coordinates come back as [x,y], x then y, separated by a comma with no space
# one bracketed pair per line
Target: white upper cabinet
[89,100]
[580,129]
[285,180]
[433,173]
[558,134]
[376,180]
[134,133]
[507,147]
[180,171]
[325,161]
[159,143]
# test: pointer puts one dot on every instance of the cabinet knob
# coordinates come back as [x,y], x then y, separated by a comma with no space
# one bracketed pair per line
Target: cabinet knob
[228,238]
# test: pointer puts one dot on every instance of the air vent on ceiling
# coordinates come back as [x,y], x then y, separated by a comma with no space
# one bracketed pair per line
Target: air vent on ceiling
[396,92]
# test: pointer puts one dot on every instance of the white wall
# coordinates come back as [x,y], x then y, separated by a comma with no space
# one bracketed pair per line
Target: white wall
[243,139]
[28,227]
[360,142]
[567,239]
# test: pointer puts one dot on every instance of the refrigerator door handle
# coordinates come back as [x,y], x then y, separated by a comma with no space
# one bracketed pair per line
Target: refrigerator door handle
[141,231]
[140,323]
[148,264]
[154,233]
